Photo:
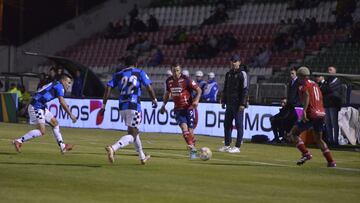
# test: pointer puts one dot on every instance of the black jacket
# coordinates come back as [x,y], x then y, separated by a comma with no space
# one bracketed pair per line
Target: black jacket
[293,93]
[333,93]
[235,90]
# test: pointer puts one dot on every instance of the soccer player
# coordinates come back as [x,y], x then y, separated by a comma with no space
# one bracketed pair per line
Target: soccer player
[39,113]
[180,87]
[128,81]
[313,117]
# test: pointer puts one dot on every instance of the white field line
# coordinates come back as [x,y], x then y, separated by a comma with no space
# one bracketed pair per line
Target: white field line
[216,159]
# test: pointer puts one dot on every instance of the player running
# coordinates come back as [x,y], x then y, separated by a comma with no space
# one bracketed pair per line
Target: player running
[129,81]
[39,113]
[180,87]
[313,117]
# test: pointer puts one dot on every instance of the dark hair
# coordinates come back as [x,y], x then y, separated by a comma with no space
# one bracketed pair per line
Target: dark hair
[130,60]
[174,64]
[65,75]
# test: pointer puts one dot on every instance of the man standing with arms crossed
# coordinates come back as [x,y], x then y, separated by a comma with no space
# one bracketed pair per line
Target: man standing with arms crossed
[234,99]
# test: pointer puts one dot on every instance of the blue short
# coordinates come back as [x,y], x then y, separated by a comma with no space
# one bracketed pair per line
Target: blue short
[315,123]
[188,116]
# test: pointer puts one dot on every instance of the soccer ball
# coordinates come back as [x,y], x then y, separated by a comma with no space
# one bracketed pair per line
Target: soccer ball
[205,153]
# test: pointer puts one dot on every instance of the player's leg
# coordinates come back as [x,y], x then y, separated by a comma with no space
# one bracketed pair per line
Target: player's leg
[124,140]
[295,136]
[229,117]
[36,117]
[239,120]
[51,120]
[321,143]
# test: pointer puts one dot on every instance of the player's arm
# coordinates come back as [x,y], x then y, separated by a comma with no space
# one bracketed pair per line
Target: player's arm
[105,98]
[66,108]
[223,96]
[197,98]
[305,105]
[152,95]
[244,92]
[165,101]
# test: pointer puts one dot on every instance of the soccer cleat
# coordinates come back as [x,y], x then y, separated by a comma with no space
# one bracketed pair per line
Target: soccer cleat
[68,147]
[331,164]
[110,153]
[193,154]
[224,149]
[17,145]
[234,150]
[303,159]
[143,161]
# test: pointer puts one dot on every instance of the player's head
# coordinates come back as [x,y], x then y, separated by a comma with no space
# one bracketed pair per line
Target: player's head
[293,73]
[303,73]
[130,61]
[235,61]
[66,80]
[331,70]
[211,75]
[283,101]
[199,74]
[176,70]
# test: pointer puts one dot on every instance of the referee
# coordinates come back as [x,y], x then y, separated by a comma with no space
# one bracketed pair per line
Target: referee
[234,99]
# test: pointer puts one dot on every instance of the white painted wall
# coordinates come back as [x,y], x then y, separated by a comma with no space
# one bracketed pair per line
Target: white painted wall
[72,31]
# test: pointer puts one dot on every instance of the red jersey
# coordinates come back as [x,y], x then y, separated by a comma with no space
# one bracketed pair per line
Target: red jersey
[180,90]
[315,108]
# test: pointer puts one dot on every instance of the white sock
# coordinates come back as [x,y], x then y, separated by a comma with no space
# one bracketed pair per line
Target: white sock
[58,136]
[138,147]
[30,135]
[123,142]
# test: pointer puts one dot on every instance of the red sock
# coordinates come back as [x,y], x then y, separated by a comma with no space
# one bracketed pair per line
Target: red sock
[302,148]
[327,155]
[189,138]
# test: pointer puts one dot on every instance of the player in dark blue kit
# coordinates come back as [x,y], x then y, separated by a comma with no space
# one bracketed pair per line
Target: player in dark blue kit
[39,113]
[128,82]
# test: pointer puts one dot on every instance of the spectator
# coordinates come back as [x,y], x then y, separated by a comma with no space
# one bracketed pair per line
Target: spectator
[14,89]
[299,44]
[282,122]
[227,42]
[26,97]
[52,74]
[262,57]
[153,25]
[59,73]
[178,37]
[211,89]
[199,80]
[234,99]
[77,85]
[293,87]
[186,73]
[134,12]
[43,80]
[157,58]
[332,103]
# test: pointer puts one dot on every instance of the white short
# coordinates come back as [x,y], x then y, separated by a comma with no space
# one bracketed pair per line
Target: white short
[39,115]
[132,118]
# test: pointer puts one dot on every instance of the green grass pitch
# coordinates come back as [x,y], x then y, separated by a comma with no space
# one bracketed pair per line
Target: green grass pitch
[260,173]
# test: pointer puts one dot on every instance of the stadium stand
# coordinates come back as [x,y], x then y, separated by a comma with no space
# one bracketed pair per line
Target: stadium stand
[253,24]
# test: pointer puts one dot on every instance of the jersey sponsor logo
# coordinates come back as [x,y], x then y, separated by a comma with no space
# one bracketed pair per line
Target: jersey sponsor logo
[176,91]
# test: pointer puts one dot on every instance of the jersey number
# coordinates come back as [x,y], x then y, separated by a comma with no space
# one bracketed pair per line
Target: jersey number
[128,84]
[317,94]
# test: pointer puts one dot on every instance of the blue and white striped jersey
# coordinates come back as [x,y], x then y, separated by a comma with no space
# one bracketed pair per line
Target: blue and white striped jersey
[47,93]
[129,81]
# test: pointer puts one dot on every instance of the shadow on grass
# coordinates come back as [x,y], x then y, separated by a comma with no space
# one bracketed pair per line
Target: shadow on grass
[53,164]
[8,153]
